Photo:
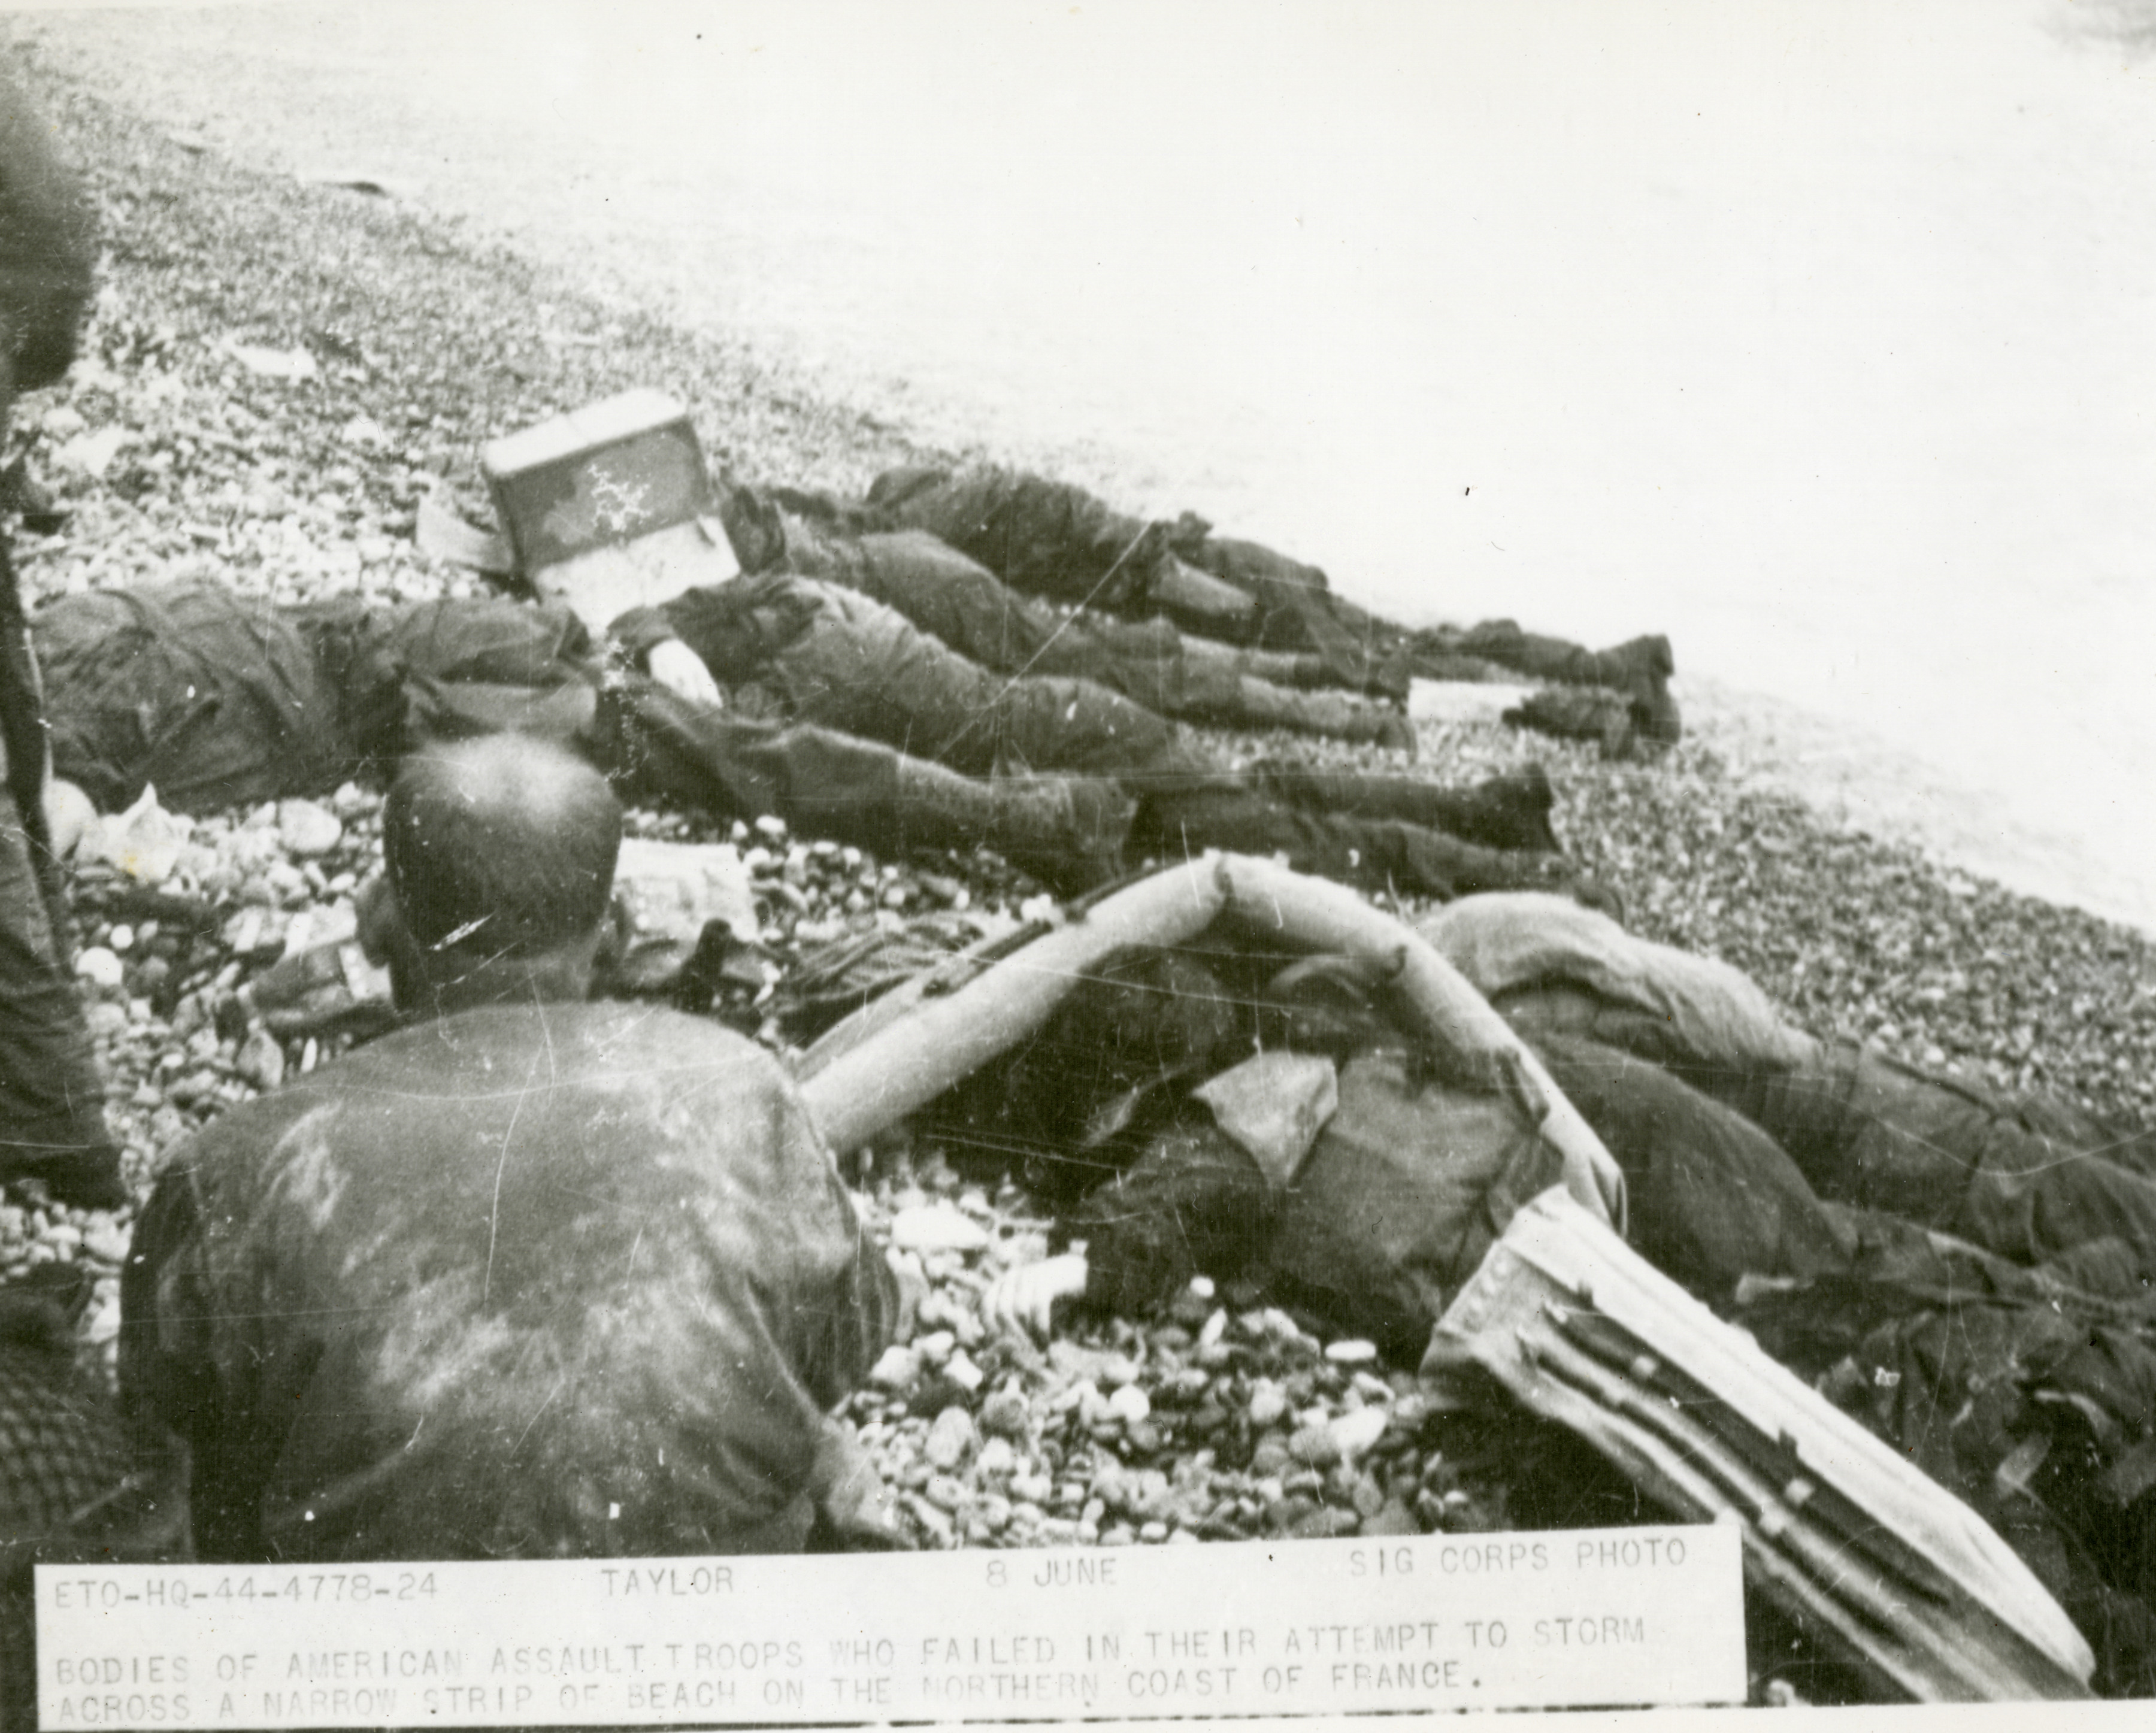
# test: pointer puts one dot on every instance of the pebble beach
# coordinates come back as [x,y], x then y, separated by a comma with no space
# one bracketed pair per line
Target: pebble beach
[277,374]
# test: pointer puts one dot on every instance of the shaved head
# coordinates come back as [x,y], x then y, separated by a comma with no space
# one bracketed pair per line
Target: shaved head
[498,850]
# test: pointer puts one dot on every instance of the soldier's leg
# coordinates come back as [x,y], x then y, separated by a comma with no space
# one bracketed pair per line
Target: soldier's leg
[959,602]
[1069,831]
[1047,538]
[1066,830]
[1623,668]
[860,667]
[1297,611]
[1641,669]
[1300,669]
[1247,702]
[1509,812]
[1373,853]
[1054,724]
[1951,1154]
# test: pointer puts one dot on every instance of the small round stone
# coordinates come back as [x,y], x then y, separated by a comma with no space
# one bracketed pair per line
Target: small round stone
[1129,1404]
[951,1439]
[1005,1414]
[896,1369]
[308,829]
[101,968]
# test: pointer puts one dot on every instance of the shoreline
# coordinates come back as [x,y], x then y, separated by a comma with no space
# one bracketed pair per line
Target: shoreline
[1849,777]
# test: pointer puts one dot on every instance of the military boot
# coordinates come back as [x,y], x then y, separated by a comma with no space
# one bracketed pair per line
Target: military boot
[1641,669]
[1585,713]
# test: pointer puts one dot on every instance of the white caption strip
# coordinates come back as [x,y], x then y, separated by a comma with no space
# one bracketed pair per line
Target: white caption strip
[1600,1617]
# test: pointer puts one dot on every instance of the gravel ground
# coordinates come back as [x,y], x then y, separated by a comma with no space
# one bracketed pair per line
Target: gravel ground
[276,375]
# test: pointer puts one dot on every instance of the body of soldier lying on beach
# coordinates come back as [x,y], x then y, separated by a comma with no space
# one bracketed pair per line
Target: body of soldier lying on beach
[962,607]
[1971,1273]
[217,703]
[964,555]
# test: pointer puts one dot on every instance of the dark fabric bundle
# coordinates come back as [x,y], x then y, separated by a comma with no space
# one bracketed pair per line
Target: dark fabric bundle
[1073,1106]
[836,979]
[1194,1202]
[216,700]
[2027,1392]
[1406,1188]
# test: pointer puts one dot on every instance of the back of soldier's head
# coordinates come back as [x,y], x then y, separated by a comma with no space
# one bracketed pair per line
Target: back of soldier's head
[499,849]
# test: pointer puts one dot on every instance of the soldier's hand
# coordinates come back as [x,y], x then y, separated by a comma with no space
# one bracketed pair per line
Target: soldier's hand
[682,671]
[1024,1298]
